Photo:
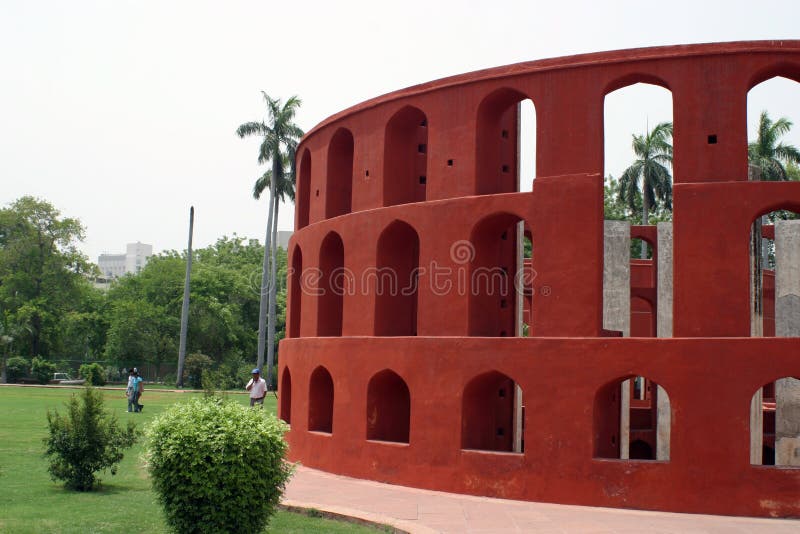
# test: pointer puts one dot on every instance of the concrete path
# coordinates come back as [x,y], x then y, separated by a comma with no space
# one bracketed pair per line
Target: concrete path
[424,512]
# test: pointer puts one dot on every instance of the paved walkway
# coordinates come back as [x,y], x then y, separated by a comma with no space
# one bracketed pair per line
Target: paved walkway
[425,512]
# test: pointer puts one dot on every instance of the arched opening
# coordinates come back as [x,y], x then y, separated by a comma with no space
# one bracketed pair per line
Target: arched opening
[339,190]
[388,408]
[304,190]
[332,286]
[296,292]
[642,318]
[632,420]
[405,168]
[320,401]
[396,281]
[286,396]
[773,123]
[505,143]
[774,255]
[493,248]
[775,423]
[488,414]
[634,140]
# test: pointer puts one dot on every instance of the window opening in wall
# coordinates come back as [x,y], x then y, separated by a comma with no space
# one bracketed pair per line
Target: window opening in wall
[632,420]
[304,190]
[775,424]
[396,281]
[405,157]
[339,190]
[637,136]
[388,408]
[449,162]
[489,405]
[286,396]
[423,180]
[320,401]
[712,139]
[332,286]
[772,258]
[505,143]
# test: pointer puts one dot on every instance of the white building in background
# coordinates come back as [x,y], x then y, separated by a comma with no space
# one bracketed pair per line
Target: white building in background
[134,259]
[283,238]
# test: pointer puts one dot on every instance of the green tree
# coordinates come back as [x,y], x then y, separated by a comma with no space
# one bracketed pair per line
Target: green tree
[768,154]
[41,274]
[649,175]
[85,440]
[280,137]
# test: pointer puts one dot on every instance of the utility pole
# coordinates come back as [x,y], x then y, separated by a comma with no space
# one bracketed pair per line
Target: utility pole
[185,308]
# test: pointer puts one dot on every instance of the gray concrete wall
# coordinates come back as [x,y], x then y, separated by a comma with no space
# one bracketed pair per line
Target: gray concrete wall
[664,282]
[617,306]
[787,324]
[664,329]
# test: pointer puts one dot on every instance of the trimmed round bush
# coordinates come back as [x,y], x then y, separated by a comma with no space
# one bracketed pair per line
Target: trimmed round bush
[217,466]
[17,367]
[93,373]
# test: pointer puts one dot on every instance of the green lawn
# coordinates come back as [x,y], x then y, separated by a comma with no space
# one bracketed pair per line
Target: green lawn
[32,503]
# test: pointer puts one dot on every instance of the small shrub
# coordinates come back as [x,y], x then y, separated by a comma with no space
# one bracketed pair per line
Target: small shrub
[85,440]
[217,466]
[17,367]
[42,370]
[193,368]
[93,373]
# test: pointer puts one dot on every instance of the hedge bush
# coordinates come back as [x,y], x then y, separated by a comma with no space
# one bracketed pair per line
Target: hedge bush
[17,367]
[85,440]
[42,370]
[93,373]
[193,368]
[217,466]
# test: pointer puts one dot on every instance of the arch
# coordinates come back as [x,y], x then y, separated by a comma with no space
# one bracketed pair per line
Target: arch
[642,317]
[632,78]
[296,292]
[487,413]
[320,401]
[637,102]
[782,69]
[492,304]
[405,157]
[331,286]
[396,282]
[775,423]
[496,142]
[388,407]
[304,190]
[633,433]
[286,396]
[339,189]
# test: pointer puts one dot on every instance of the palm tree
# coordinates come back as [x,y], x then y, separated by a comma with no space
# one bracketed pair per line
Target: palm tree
[654,153]
[767,154]
[281,136]
[283,188]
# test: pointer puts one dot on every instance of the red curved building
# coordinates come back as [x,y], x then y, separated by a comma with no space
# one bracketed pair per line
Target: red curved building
[404,360]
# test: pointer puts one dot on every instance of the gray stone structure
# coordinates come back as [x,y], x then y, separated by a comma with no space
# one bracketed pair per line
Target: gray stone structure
[787,324]
[664,329]
[617,306]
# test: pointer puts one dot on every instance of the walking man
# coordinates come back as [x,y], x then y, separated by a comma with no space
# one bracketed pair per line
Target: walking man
[257,388]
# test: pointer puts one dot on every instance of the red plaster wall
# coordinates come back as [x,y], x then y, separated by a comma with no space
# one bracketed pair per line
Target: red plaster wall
[357,173]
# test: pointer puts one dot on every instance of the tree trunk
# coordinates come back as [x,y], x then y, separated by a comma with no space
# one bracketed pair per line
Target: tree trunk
[262,308]
[273,291]
[185,306]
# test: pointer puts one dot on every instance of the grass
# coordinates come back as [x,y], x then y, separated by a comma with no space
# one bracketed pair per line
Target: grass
[32,503]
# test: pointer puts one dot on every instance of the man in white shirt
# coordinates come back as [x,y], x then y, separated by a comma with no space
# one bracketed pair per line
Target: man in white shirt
[257,388]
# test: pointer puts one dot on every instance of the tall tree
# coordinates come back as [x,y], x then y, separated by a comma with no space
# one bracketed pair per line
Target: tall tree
[280,137]
[770,156]
[41,273]
[283,189]
[651,170]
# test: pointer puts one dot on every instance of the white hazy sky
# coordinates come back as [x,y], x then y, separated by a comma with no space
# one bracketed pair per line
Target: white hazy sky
[122,113]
